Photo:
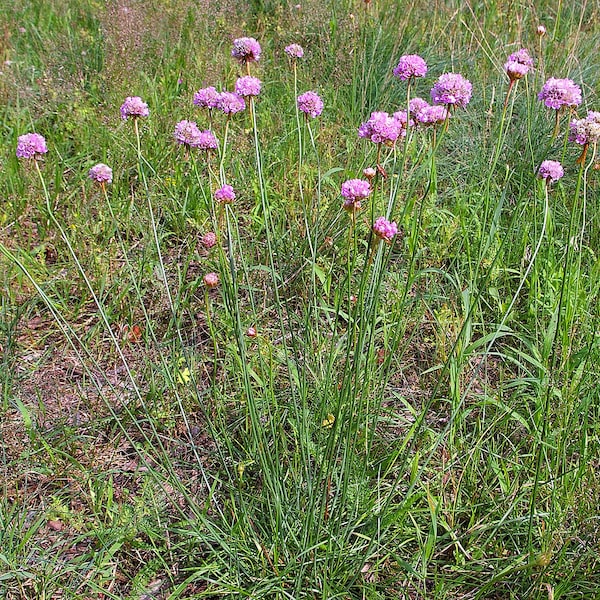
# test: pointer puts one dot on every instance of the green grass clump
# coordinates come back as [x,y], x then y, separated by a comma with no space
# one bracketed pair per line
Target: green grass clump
[335,416]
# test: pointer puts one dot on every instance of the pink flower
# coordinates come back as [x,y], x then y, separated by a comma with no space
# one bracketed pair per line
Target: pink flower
[557,93]
[384,229]
[206,97]
[187,134]
[134,107]
[381,128]
[247,86]
[211,280]
[452,89]
[246,49]
[294,51]
[101,173]
[353,191]
[410,66]
[310,104]
[225,194]
[231,103]
[209,239]
[551,170]
[31,145]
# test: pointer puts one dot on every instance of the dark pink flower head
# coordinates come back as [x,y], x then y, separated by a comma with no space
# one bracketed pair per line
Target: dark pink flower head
[381,128]
[101,173]
[187,134]
[353,191]
[294,51]
[585,131]
[410,66]
[206,97]
[518,64]
[211,280]
[31,145]
[550,170]
[209,239]
[247,86]
[384,229]
[310,104]
[207,140]
[246,49]
[452,89]
[432,115]
[134,107]
[416,104]
[225,194]
[557,93]
[231,103]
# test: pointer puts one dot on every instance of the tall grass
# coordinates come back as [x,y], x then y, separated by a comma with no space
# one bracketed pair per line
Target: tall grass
[340,417]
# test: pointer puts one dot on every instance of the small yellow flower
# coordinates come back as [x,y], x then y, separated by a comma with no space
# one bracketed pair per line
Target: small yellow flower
[328,421]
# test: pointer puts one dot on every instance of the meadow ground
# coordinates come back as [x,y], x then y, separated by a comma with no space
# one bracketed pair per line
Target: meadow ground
[368,369]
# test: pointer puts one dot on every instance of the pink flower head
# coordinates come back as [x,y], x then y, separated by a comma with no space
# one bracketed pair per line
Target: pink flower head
[550,170]
[31,145]
[452,89]
[225,194]
[247,86]
[187,134]
[207,140]
[134,107]
[369,173]
[518,64]
[585,131]
[206,97]
[410,66]
[310,104]
[384,229]
[416,104]
[209,239]
[541,30]
[211,280]
[557,93]
[294,51]
[402,117]
[353,191]
[231,103]
[246,49]
[432,115]
[251,332]
[380,128]
[101,173]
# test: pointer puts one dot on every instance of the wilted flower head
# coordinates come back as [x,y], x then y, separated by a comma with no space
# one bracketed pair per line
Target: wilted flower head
[231,103]
[211,280]
[416,104]
[294,51]
[518,64]
[310,104]
[384,229]
[134,107]
[557,93]
[247,86]
[380,128]
[209,239]
[246,49]
[432,115]
[225,194]
[541,30]
[409,66]
[187,134]
[585,131]
[550,170]
[353,191]
[31,145]
[251,332]
[206,97]
[369,173]
[101,173]
[452,89]
[207,140]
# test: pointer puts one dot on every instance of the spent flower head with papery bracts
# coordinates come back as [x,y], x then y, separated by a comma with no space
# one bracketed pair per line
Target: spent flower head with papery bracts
[248,86]
[385,229]
[225,194]
[559,93]
[31,145]
[585,131]
[209,239]
[353,191]
[410,66]
[452,89]
[294,51]
[101,173]
[550,171]
[134,107]
[231,103]
[211,280]
[310,104]
[207,97]
[246,49]
[381,128]
[187,134]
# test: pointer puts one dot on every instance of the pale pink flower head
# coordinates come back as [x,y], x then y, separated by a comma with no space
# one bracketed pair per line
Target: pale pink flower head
[247,86]
[353,191]
[206,98]
[231,103]
[585,131]
[410,66]
[211,280]
[246,49]
[432,115]
[550,170]
[452,89]
[207,140]
[541,30]
[381,128]
[209,239]
[187,134]
[31,145]
[134,107]
[101,173]
[251,332]
[369,173]
[416,104]
[402,117]
[518,64]
[294,51]
[225,194]
[385,229]
[310,104]
[558,93]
